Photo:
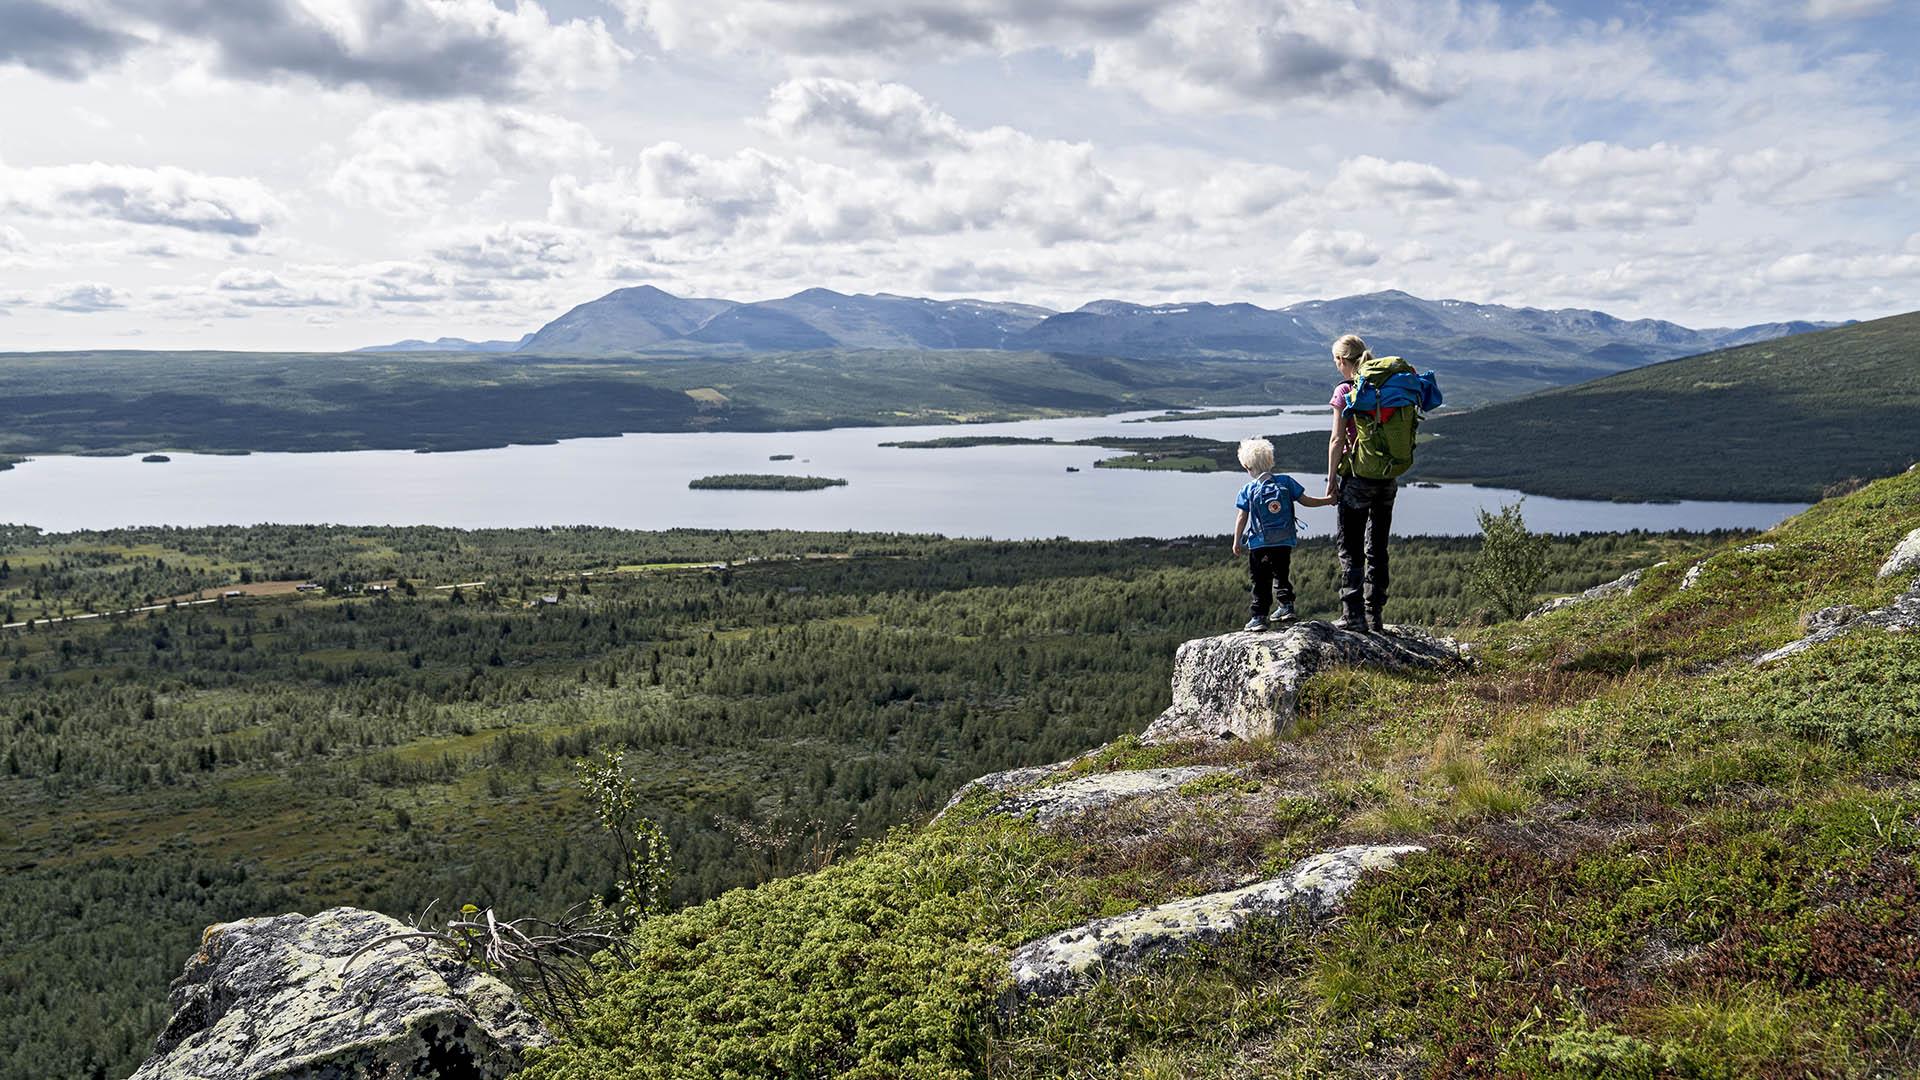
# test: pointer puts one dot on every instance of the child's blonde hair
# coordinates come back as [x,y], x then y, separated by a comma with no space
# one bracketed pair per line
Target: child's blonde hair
[1256,455]
[1351,350]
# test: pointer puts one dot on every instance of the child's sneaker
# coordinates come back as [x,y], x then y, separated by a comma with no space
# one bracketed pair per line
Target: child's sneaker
[1255,625]
[1285,614]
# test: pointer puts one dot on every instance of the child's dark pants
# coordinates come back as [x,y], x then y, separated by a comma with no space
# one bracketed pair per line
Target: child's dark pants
[1270,568]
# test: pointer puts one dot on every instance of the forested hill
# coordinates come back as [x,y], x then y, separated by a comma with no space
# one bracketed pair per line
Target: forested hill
[1777,420]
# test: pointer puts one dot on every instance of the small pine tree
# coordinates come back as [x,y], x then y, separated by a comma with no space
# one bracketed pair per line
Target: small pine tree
[1511,564]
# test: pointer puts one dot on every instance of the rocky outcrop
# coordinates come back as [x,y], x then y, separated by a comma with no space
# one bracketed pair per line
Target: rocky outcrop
[1900,616]
[1312,889]
[1081,794]
[1905,558]
[1244,685]
[272,998]
[1622,584]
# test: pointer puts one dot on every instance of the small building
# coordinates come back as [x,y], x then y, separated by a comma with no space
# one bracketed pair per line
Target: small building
[379,588]
[548,599]
[310,586]
[231,593]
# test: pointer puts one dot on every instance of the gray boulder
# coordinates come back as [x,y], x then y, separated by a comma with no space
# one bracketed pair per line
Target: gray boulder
[1057,802]
[1905,558]
[271,998]
[1622,584]
[1827,618]
[1314,888]
[1245,685]
[1900,616]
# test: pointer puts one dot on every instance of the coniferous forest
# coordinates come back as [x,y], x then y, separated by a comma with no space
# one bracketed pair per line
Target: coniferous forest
[405,733]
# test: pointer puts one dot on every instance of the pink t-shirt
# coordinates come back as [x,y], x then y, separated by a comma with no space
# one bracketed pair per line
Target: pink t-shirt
[1339,402]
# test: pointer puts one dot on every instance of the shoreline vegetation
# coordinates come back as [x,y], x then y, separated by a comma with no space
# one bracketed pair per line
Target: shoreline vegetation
[763,482]
[1172,416]
[1301,451]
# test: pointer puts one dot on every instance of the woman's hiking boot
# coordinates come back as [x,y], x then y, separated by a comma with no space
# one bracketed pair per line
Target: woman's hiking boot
[1353,621]
[1375,624]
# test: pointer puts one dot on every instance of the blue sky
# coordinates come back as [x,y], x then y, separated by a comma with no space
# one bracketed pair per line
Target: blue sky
[314,174]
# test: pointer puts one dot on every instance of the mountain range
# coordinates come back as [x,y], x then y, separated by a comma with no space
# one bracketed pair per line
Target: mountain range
[1578,343]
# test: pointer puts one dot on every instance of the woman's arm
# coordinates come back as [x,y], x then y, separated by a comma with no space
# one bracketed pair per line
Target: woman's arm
[1336,449]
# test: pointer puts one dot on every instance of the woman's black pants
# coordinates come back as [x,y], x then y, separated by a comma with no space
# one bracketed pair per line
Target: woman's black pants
[1365,519]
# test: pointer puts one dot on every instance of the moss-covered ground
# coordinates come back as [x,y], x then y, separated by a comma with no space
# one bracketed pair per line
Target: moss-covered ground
[1647,858]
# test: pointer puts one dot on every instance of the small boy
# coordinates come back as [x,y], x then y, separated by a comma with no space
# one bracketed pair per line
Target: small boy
[1265,530]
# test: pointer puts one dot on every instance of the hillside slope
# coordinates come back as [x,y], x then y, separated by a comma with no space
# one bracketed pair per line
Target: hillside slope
[1647,856]
[1779,420]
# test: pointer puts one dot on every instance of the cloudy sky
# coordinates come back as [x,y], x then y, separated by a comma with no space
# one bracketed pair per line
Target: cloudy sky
[319,174]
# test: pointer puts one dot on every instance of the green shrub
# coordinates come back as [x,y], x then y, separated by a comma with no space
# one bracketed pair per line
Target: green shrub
[883,966]
[1511,565]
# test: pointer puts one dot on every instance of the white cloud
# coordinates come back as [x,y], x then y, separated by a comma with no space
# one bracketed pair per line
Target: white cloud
[514,250]
[417,49]
[1227,54]
[1399,185]
[166,197]
[673,190]
[410,159]
[1845,9]
[85,297]
[1605,166]
[246,281]
[884,117]
[1180,54]
[1050,191]
[1343,247]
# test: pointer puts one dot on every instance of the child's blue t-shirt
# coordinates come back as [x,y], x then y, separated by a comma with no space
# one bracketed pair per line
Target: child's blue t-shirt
[1268,502]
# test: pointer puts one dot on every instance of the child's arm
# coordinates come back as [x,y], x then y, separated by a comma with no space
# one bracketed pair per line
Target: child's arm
[1239,532]
[1317,500]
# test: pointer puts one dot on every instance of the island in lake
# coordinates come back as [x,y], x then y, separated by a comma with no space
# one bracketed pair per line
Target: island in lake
[779,457]
[156,459]
[763,482]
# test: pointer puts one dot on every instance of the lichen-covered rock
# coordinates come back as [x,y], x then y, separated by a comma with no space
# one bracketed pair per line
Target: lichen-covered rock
[1312,889]
[1829,617]
[1622,584]
[1901,616]
[1083,793]
[1243,685]
[271,998]
[1905,558]
[1007,780]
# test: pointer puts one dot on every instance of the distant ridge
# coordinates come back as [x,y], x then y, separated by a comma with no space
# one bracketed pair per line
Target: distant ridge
[1563,345]
[448,344]
[1775,420]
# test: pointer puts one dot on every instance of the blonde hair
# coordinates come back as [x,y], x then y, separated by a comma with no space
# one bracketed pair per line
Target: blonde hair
[1351,350]
[1256,455]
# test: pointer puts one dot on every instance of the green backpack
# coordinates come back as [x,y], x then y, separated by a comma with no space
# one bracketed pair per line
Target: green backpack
[1383,434]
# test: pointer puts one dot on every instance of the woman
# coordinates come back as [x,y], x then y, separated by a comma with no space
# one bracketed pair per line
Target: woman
[1365,507]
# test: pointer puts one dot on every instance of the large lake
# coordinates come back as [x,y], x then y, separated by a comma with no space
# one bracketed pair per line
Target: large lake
[640,482]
